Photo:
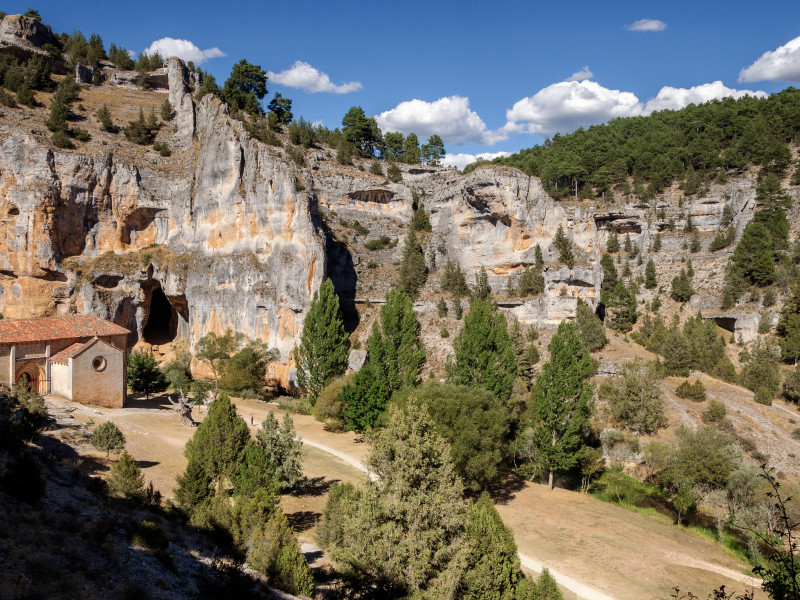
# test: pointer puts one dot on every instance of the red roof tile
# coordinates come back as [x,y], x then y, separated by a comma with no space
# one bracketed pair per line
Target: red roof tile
[56,328]
[70,351]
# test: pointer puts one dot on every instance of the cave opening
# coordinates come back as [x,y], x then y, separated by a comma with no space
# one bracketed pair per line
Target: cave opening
[161,326]
[726,323]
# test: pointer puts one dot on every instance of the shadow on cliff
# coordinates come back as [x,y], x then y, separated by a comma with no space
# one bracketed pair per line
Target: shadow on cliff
[341,272]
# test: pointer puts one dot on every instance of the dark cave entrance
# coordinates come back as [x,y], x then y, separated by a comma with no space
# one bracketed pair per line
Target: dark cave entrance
[161,326]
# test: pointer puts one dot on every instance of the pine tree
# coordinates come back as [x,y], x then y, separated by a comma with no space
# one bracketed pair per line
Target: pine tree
[484,356]
[621,308]
[453,280]
[108,437]
[789,325]
[561,402]
[564,246]
[441,308]
[220,440]
[682,289]
[752,258]
[590,327]
[364,399]
[125,479]
[273,550]
[628,247]
[481,289]
[531,282]
[194,487]
[547,588]
[257,471]
[167,112]
[539,260]
[283,450]
[610,278]
[413,272]
[493,568]
[144,374]
[394,347]
[324,345]
[104,116]
[650,281]
[657,242]
[612,245]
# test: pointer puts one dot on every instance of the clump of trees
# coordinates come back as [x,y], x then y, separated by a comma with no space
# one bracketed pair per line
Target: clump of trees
[695,346]
[410,532]
[652,149]
[222,456]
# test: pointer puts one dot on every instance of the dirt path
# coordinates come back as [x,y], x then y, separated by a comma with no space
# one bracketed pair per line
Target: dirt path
[609,553]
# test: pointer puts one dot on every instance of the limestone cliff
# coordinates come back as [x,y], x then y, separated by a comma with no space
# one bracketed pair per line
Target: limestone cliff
[231,233]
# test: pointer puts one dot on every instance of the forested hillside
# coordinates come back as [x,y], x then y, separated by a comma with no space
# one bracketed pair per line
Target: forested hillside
[693,145]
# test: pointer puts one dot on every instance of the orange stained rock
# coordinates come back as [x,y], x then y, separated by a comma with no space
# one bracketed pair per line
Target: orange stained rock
[288,231]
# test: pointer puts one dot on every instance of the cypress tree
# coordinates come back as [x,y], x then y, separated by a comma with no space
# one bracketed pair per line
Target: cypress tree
[324,345]
[560,408]
[484,356]
[413,272]
[220,440]
[650,281]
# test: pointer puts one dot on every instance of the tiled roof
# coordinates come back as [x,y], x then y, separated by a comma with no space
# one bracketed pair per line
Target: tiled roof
[70,351]
[56,328]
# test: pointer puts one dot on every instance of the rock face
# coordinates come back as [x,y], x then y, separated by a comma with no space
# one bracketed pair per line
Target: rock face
[24,36]
[221,241]
[231,233]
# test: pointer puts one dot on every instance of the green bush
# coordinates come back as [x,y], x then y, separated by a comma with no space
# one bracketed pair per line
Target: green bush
[715,412]
[150,536]
[60,139]
[108,437]
[635,399]
[763,396]
[692,391]
[378,244]
[328,407]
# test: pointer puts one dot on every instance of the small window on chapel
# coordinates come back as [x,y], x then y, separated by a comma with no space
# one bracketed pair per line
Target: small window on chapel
[98,363]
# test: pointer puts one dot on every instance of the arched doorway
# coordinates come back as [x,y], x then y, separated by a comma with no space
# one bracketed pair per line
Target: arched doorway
[32,376]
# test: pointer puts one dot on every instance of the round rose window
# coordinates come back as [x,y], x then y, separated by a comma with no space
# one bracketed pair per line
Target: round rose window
[99,363]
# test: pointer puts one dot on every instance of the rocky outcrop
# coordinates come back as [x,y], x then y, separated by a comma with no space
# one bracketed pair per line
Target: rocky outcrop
[24,36]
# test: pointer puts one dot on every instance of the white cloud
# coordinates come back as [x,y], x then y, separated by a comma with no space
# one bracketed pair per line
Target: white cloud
[647,25]
[584,73]
[462,160]
[675,98]
[184,49]
[781,64]
[449,117]
[567,105]
[305,77]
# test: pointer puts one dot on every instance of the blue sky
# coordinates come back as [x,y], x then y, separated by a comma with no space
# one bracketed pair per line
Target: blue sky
[489,79]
